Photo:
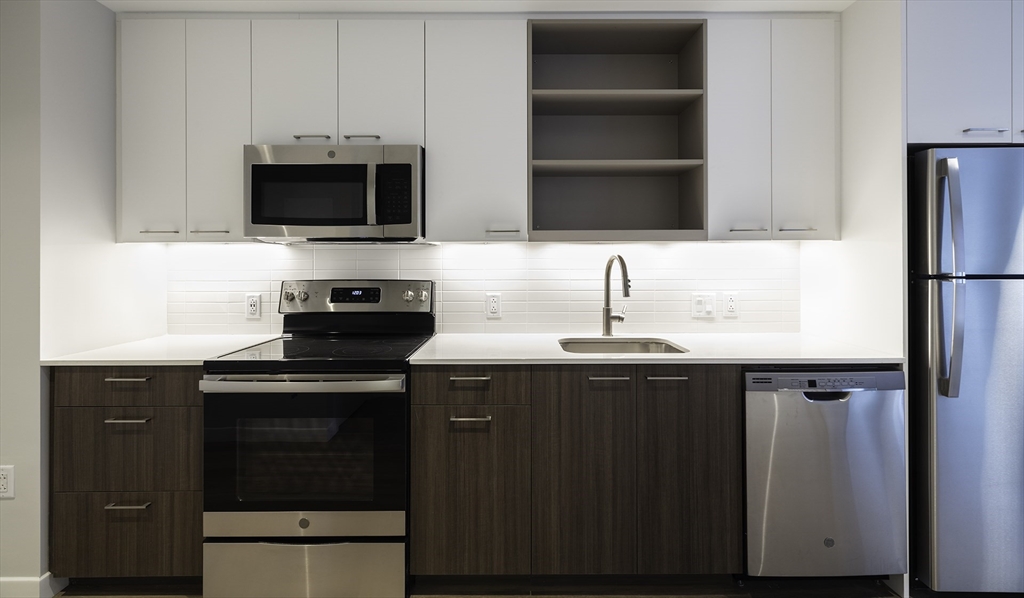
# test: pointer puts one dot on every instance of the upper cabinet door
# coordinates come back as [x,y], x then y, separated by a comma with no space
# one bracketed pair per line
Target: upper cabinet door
[739,105]
[959,64]
[219,124]
[151,130]
[294,81]
[1018,71]
[380,81]
[476,105]
[804,128]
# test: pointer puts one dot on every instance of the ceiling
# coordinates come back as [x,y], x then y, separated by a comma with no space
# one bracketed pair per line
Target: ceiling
[473,6]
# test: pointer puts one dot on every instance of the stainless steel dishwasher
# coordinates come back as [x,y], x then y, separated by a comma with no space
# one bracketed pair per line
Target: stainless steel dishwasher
[826,484]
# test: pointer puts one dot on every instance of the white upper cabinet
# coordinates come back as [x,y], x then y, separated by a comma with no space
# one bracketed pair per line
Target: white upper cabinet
[295,81]
[960,70]
[219,124]
[772,128]
[151,130]
[1018,71]
[476,127]
[739,105]
[805,85]
[380,80]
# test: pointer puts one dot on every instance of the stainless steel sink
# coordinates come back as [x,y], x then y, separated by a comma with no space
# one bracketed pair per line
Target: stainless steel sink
[611,344]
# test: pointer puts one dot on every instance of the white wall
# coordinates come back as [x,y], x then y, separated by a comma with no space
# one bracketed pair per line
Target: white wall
[93,292]
[853,290]
[22,520]
[545,287]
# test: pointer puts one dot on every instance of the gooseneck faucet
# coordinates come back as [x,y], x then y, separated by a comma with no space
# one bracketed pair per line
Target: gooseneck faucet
[607,317]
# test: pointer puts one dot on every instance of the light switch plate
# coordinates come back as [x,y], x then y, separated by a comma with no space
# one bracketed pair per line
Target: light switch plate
[702,305]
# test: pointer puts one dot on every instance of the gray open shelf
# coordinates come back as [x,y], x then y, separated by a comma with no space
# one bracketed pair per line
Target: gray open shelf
[617,130]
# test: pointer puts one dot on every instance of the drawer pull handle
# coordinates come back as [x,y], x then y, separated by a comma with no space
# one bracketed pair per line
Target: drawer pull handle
[470,419]
[984,130]
[146,379]
[160,232]
[606,378]
[361,136]
[469,378]
[502,231]
[655,378]
[748,230]
[116,507]
[209,232]
[304,136]
[116,420]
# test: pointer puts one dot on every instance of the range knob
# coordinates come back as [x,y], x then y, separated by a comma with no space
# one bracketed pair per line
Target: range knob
[424,296]
[288,295]
[303,295]
[408,296]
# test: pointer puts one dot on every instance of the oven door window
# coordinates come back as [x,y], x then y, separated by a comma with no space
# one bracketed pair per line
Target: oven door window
[309,194]
[304,452]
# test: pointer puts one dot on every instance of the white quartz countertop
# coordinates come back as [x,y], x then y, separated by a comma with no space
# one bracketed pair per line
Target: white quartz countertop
[737,348]
[169,349]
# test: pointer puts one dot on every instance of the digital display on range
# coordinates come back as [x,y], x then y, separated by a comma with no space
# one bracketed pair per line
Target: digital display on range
[355,295]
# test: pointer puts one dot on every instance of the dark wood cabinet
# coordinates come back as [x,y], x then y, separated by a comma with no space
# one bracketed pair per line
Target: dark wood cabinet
[689,469]
[126,472]
[470,490]
[471,385]
[126,534]
[584,470]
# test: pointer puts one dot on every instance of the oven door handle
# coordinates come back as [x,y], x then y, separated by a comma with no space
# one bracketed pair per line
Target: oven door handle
[304,384]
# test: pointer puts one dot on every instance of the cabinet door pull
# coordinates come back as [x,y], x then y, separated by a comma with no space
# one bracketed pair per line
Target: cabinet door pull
[469,378]
[606,378]
[146,379]
[313,136]
[469,419]
[208,232]
[361,136]
[748,230]
[984,130]
[117,420]
[797,230]
[503,231]
[160,232]
[656,378]
[116,507]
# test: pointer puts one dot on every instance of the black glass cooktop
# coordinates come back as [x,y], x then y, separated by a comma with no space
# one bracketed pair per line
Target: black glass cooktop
[329,349]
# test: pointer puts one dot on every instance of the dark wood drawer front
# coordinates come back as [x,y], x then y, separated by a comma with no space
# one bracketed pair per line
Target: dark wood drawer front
[158,386]
[127,448]
[689,469]
[91,540]
[471,385]
[470,510]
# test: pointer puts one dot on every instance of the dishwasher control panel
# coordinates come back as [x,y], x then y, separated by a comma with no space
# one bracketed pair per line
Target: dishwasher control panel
[825,382]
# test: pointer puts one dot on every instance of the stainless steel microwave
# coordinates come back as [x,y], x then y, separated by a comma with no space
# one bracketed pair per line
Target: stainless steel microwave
[334,193]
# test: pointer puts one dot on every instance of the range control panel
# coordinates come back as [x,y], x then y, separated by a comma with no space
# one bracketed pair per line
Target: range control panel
[324,296]
[823,382]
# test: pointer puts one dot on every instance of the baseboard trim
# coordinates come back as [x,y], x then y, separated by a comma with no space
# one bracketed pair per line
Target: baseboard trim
[45,586]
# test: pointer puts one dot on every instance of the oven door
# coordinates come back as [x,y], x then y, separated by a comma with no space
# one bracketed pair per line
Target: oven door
[304,455]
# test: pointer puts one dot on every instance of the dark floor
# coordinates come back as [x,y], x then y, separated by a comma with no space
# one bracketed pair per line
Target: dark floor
[689,587]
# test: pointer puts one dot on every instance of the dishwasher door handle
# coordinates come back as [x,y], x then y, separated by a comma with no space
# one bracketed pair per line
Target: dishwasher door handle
[828,395]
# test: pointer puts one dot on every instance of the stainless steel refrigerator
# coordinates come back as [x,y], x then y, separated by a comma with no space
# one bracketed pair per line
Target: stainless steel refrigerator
[967,368]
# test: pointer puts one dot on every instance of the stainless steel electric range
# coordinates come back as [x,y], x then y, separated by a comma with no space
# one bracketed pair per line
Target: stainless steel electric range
[305,481]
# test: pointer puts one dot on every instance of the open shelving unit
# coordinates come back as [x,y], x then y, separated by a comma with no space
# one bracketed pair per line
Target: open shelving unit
[617,130]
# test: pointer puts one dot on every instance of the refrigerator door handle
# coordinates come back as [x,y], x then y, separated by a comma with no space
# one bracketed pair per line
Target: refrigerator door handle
[949,168]
[950,386]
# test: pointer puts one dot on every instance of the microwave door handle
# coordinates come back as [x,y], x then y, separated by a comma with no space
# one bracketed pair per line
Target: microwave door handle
[371,194]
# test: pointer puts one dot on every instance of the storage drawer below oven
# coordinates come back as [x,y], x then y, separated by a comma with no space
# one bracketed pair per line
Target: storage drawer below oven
[268,570]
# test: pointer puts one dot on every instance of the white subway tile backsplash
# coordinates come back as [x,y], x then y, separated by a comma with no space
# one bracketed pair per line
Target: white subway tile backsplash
[545,287]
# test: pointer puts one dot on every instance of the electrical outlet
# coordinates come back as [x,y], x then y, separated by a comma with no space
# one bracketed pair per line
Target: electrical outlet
[252,306]
[6,481]
[702,305]
[731,305]
[492,306]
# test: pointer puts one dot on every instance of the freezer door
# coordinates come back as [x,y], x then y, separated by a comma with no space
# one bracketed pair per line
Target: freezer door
[989,184]
[975,448]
